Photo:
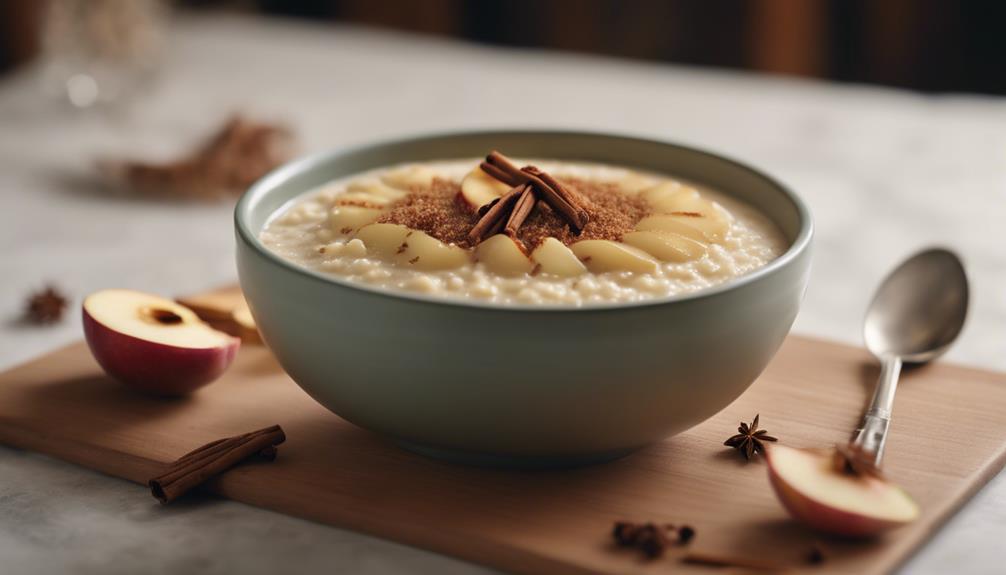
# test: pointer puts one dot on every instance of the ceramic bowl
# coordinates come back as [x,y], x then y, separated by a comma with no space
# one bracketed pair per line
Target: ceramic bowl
[522,385]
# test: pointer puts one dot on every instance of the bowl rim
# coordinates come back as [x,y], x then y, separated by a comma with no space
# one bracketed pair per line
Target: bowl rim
[277,176]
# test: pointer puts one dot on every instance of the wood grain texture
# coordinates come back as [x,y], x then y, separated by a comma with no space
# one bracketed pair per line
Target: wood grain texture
[947,440]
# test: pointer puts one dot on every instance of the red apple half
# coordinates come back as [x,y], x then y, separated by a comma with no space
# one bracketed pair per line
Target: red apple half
[814,492]
[153,344]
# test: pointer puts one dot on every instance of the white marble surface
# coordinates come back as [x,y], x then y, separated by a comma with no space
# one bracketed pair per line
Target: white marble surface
[885,172]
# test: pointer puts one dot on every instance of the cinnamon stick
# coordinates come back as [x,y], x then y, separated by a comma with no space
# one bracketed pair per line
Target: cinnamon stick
[755,564]
[496,213]
[543,187]
[509,179]
[549,189]
[207,461]
[563,192]
[498,160]
[525,203]
[550,196]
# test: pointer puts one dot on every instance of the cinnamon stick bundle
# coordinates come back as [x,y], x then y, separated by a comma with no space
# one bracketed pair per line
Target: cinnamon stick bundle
[198,466]
[529,185]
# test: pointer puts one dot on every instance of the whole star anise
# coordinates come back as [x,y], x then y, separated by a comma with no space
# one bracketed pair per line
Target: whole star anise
[749,439]
[45,306]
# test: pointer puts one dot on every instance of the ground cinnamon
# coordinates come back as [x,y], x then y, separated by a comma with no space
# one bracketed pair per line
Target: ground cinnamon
[439,212]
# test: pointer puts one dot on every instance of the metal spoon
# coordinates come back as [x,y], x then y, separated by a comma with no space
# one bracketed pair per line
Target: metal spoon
[916,314]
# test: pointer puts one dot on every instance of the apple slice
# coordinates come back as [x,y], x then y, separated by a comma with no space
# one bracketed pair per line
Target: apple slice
[556,259]
[362,199]
[672,224]
[425,252]
[154,344]
[666,246]
[375,188]
[347,219]
[384,240]
[409,178]
[659,195]
[606,256]
[635,183]
[503,256]
[814,492]
[479,188]
[699,226]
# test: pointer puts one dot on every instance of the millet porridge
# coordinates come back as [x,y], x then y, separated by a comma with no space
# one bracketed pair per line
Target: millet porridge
[565,233]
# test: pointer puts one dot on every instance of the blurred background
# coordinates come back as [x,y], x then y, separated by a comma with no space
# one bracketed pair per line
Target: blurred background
[927,45]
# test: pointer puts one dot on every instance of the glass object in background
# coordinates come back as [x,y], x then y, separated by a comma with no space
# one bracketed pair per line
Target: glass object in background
[101,51]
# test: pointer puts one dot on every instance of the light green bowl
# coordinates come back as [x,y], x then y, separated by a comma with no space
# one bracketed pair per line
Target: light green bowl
[522,385]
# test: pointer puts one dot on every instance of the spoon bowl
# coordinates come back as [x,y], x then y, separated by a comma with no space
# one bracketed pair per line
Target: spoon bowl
[919,309]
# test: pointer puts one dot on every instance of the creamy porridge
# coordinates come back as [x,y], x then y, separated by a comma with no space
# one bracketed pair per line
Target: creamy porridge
[567,233]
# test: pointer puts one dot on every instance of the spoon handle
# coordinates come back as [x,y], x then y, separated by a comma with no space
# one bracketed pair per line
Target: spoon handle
[872,433]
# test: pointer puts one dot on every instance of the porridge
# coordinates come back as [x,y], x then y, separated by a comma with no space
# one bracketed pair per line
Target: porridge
[548,233]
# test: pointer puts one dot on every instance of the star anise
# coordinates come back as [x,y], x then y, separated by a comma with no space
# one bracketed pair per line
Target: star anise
[854,460]
[749,439]
[45,306]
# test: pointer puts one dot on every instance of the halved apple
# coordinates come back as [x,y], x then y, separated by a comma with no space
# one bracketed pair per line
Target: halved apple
[556,259]
[410,177]
[479,188]
[814,492]
[606,256]
[666,246]
[154,344]
[503,256]
[347,219]
[425,252]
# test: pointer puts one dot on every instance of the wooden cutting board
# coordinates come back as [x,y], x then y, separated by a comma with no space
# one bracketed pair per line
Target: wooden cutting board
[948,439]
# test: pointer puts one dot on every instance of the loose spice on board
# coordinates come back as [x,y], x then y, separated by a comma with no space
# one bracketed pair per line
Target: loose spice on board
[45,306]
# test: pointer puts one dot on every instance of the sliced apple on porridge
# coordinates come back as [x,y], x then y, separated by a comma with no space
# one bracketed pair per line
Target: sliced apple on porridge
[666,246]
[479,188]
[347,219]
[409,178]
[504,232]
[554,258]
[383,240]
[659,196]
[602,256]
[503,256]
[421,251]
[376,188]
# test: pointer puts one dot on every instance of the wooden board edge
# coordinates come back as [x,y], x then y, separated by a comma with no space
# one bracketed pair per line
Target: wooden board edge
[974,483]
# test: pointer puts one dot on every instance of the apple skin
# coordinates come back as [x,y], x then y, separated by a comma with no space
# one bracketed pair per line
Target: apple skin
[822,516]
[152,367]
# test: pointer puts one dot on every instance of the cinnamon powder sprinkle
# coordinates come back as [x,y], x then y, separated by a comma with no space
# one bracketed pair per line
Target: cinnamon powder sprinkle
[440,212]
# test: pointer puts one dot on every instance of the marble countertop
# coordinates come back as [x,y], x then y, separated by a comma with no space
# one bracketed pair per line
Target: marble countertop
[885,172]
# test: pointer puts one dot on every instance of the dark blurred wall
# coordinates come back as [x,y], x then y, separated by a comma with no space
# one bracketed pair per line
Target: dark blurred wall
[930,45]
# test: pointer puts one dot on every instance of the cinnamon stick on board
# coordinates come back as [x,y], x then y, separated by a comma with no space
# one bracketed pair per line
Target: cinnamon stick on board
[197,466]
